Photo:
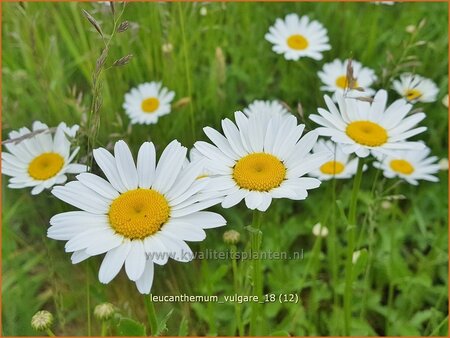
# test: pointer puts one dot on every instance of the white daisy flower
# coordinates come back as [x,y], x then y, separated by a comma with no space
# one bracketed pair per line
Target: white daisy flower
[269,108]
[142,214]
[416,88]
[410,165]
[339,166]
[40,160]
[334,77]
[297,37]
[362,127]
[147,102]
[260,159]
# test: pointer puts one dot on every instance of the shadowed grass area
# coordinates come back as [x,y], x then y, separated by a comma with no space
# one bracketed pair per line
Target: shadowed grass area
[218,63]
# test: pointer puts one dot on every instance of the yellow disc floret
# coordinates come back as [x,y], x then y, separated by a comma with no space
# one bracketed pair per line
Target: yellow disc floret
[45,166]
[367,133]
[413,94]
[343,83]
[332,168]
[259,171]
[150,105]
[402,167]
[297,42]
[138,213]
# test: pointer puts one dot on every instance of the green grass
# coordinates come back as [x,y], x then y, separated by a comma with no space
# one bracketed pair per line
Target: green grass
[223,63]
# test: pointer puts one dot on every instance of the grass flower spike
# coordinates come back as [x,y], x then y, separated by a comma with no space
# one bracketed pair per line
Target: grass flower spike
[416,88]
[147,102]
[140,215]
[340,166]
[362,127]
[334,77]
[259,159]
[298,37]
[409,165]
[39,159]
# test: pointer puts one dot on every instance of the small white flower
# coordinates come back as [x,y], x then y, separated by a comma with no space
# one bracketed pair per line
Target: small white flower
[147,102]
[334,77]
[167,48]
[269,108]
[340,165]
[142,214]
[389,3]
[443,164]
[386,205]
[42,160]
[416,88]
[297,37]
[363,128]
[203,11]
[320,230]
[445,101]
[410,165]
[259,159]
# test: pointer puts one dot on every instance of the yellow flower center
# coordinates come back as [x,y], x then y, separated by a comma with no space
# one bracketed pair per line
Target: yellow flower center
[45,166]
[367,133]
[138,213]
[150,105]
[259,171]
[297,42]
[332,168]
[342,82]
[402,167]
[413,94]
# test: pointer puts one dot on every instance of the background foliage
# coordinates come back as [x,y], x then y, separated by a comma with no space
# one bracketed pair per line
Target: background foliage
[221,62]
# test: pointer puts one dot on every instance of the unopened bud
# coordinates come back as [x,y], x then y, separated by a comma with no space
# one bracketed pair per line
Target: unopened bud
[320,230]
[443,164]
[231,237]
[355,256]
[42,320]
[104,311]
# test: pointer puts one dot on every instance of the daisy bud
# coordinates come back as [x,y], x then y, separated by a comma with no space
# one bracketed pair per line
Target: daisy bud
[104,311]
[445,101]
[42,320]
[320,230]
[443,164]
[355,256]
[231,237]
[386,205]
[167,48]
[203,11]
[410,29]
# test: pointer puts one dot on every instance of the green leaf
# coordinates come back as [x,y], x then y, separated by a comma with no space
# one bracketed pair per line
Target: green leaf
[130,327]
[280,333]
[184,327]
[162,326]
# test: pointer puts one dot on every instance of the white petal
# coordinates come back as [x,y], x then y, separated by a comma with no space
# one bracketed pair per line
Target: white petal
[113,262]
[125,165]
[135,262]
[144,283]
[146,165]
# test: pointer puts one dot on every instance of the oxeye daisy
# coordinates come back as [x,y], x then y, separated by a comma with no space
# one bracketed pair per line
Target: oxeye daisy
[142,214]
[416,88]
[260,159]
[339,165]
[410,165]
[147,102]
[297,37]
[334,77]
[362,127]
[269,108]
[40,158]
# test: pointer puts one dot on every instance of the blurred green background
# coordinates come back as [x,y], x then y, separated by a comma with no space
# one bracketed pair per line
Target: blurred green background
[220,60]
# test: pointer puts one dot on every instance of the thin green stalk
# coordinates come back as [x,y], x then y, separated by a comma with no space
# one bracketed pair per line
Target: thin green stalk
[187,70]
[237,308]
[256,264]
[351,247]
[436,330]
[104,328]
[151,315]
[50,333]
[88,301]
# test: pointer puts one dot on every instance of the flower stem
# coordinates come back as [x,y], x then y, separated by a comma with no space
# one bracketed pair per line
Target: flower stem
[104,328]
[151,315]
[351,248]
[255,239]
[50,333]
[236,281]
